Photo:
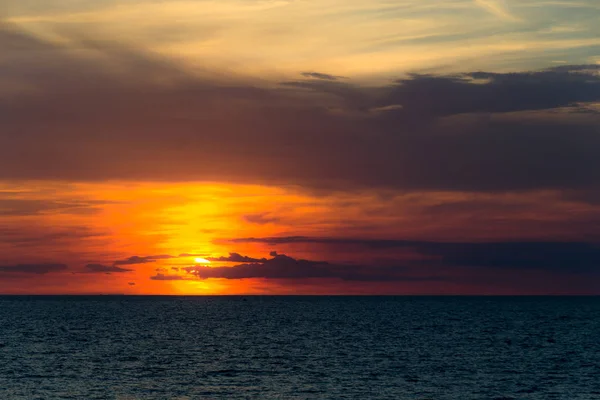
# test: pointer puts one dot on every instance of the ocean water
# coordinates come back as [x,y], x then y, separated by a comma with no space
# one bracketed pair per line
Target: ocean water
[299,347]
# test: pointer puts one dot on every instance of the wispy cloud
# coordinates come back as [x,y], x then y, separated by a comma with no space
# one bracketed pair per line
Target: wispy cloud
[497,8]
[362,37]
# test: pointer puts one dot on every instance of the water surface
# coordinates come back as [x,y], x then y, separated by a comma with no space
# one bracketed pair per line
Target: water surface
[105,347]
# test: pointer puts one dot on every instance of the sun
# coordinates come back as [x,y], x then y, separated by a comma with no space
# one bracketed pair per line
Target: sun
[201,260]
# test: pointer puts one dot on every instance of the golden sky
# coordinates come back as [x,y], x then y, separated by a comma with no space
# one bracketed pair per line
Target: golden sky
[361,39]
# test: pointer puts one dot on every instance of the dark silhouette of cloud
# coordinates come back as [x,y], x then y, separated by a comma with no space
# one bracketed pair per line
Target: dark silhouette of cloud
[577,257]
[284,267]
[131,283]
[39,269]
[235,257]
[427,96]
[99,268]
[372,243]
[134,260]
[556,256]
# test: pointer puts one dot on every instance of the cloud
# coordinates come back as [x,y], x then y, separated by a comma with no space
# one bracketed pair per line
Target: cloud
[143,260]
[366,37]
[488,92]
[497,8]
[99,268]
[120,114]
[131,283]
[39,269]
[235,257]
[554,256]
[372,243]
[284,267]
[135,260]
[576,257]
[420,99]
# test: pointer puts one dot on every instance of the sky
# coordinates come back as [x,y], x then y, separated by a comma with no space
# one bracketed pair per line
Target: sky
[300,147]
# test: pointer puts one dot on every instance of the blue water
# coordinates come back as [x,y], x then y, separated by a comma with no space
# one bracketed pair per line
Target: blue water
[299,348]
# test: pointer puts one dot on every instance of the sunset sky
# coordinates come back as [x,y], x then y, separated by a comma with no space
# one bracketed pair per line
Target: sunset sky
[300,147]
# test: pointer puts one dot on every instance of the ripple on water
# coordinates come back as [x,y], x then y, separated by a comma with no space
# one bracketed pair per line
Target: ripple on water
[299,348]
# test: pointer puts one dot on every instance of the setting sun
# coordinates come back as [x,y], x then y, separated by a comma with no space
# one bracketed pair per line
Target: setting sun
[200,260]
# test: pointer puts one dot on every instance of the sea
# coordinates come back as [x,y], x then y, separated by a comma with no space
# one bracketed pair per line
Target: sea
[299,347]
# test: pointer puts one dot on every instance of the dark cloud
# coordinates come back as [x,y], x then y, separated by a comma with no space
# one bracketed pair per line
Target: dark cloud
[427,96]
[131,283]
[371,243]
[555,256]
[97,118]
[143,260]
[284,267]
[39,269]
[163,277]
[99,268]
[577,257]
[235,257]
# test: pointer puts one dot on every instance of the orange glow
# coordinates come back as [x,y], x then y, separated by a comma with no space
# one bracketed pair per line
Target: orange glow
[80,224]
